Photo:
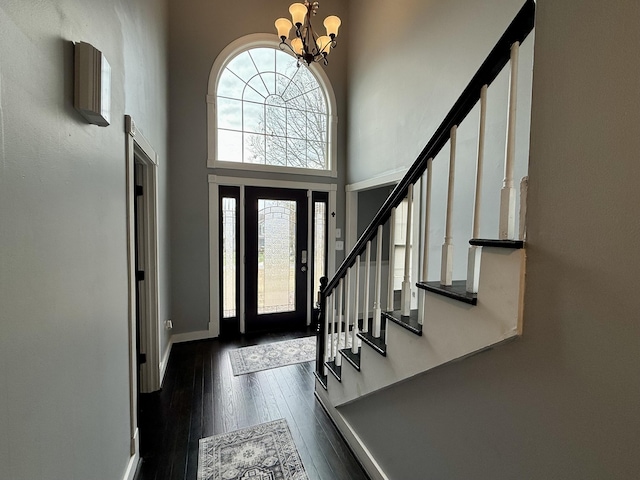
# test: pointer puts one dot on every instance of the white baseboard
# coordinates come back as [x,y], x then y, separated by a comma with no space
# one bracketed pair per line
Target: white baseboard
[132,465]
[191,336]
[360,450]
[165,360]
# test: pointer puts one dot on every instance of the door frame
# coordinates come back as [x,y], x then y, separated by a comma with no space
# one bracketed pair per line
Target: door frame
[214,242]
[139,151]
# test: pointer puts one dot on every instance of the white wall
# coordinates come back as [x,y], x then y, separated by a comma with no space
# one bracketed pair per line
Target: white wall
[199,31]
[64,386]
[563,401]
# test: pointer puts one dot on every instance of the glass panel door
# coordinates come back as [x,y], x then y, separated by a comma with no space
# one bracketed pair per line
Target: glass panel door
[276,257]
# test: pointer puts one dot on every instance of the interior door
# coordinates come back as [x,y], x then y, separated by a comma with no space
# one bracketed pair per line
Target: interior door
[277,258]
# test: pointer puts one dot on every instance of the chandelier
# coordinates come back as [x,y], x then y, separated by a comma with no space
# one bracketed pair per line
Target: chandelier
[307,46]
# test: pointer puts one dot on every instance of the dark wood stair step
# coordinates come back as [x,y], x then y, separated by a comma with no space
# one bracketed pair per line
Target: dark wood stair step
[483,242]
[336,370]
[352,358]
[376,343]
[322,379]
[456,291]
[410,323]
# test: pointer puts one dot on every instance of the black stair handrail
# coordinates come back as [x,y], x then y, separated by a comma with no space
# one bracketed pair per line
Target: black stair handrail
[517,31]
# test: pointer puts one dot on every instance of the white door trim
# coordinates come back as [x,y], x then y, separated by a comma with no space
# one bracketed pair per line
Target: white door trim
[139,150]
[214,243]
[353,189]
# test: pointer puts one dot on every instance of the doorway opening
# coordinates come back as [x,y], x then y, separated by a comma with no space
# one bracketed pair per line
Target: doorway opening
[142,255]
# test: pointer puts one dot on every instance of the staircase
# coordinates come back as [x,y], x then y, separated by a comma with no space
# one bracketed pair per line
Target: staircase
[368,338]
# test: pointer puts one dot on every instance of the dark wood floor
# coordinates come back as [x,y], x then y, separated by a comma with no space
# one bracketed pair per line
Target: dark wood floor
[201,397]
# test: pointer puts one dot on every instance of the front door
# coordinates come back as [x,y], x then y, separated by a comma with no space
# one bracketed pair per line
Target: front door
[277,258]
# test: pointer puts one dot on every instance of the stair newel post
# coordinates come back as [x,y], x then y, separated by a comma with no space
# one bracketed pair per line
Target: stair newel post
[405,303]
[446,271]
[475,252]
[377,309]
[508,193]
[391,263]
[338,358]
[347,306]
[322,328]
[425,238]
[367,275]
[356,306]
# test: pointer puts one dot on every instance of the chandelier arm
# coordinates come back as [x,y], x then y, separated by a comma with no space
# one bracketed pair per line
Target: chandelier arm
[285,44]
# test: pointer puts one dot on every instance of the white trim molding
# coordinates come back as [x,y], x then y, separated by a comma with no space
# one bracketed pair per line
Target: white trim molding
[235,48]
[139,149]
[143,156]
[352,190]
[134,460]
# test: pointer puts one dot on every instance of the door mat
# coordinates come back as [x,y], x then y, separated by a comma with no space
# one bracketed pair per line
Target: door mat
[262,452]
[272,355]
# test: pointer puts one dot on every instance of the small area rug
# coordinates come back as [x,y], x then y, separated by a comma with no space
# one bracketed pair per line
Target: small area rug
[272,355]
[262,452]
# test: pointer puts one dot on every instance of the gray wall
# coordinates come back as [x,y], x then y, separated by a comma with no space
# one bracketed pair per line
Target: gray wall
[64,358]
[562,402]
[369,202]
[199,31]
[427,55]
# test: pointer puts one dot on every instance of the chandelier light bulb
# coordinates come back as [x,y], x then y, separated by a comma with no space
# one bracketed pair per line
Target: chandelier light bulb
[298,11]
[324,44]
[283,26]
[297,46]
[332,24]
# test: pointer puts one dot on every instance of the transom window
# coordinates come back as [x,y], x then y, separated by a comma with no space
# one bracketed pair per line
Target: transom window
[271,112]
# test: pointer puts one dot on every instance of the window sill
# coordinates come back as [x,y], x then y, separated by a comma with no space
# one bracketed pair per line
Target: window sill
[271,169]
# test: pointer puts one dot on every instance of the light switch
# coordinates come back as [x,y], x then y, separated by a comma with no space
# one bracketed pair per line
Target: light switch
[338,233]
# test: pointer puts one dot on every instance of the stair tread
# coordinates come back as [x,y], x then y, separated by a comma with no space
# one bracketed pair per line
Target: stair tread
[322,379]
[408,322]
[377,344]
[352,358]
[336,370]
[457,291]
[487,242]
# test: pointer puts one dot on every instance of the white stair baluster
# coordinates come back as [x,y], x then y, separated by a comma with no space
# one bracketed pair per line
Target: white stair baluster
[338,358]
[377,309]
[475,252]
[392,258]
[425,253]
[332,313]
[446,271]
[405,303]
[524,189]
[508,193]
[367,276]
[354,331]
[347,306]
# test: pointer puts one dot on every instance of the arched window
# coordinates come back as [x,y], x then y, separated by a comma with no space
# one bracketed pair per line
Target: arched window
[269,113]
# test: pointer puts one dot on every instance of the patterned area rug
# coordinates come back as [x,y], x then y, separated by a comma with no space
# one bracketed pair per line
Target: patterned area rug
[262,452]
[272,355]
